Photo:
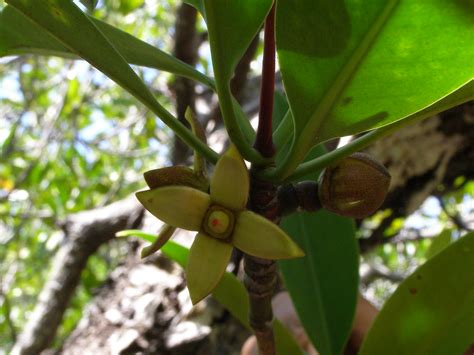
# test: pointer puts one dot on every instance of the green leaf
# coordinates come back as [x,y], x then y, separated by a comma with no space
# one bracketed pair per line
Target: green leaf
[67,23]
[432,311]
[452,100]
[232,25]
[351,66]
[18,35]
[230,292]
[439,243]
[324,284]
[329,273]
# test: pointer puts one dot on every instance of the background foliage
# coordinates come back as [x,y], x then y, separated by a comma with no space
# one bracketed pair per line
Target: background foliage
[71,140]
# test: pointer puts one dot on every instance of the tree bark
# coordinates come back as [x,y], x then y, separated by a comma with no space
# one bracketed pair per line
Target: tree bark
[421,158]
[186,44]
[85,232]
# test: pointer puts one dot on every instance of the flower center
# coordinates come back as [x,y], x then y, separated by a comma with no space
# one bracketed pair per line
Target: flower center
[218,222]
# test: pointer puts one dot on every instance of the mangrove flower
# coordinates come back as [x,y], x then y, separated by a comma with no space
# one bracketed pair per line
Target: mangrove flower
[222,222]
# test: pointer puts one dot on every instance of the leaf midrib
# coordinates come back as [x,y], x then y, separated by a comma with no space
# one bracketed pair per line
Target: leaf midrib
[305,139]
[320,115]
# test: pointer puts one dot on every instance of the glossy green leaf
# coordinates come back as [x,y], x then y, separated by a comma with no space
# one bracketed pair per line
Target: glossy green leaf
[452,100]
[329,272]
[432,311]
[439,243]
[230,292]
[351,66]
[18,35]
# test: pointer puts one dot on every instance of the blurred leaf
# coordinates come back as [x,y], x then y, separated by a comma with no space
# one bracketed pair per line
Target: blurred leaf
[127,6]
[63,19]
[432,311]
[230,292]
[18,35]
[351,66]
[324,284]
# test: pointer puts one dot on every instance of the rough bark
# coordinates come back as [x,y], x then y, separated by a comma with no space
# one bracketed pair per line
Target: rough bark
[84,233]
[421,158]
[144,308]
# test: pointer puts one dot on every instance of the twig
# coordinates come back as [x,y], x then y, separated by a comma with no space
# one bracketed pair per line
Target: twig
[454,217]
[260,274]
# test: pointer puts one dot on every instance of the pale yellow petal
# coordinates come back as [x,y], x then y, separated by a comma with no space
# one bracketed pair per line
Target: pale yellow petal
[208,259]
[257,236]
[178,206]
[230,181]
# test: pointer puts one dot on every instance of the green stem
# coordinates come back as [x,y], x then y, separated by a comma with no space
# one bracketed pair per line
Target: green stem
[233,128]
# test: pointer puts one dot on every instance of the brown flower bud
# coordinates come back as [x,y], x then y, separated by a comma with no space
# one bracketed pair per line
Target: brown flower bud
[175,175]
[354,187]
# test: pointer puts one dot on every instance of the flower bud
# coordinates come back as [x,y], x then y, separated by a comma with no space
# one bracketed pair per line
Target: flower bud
[174,175]
[354,187]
